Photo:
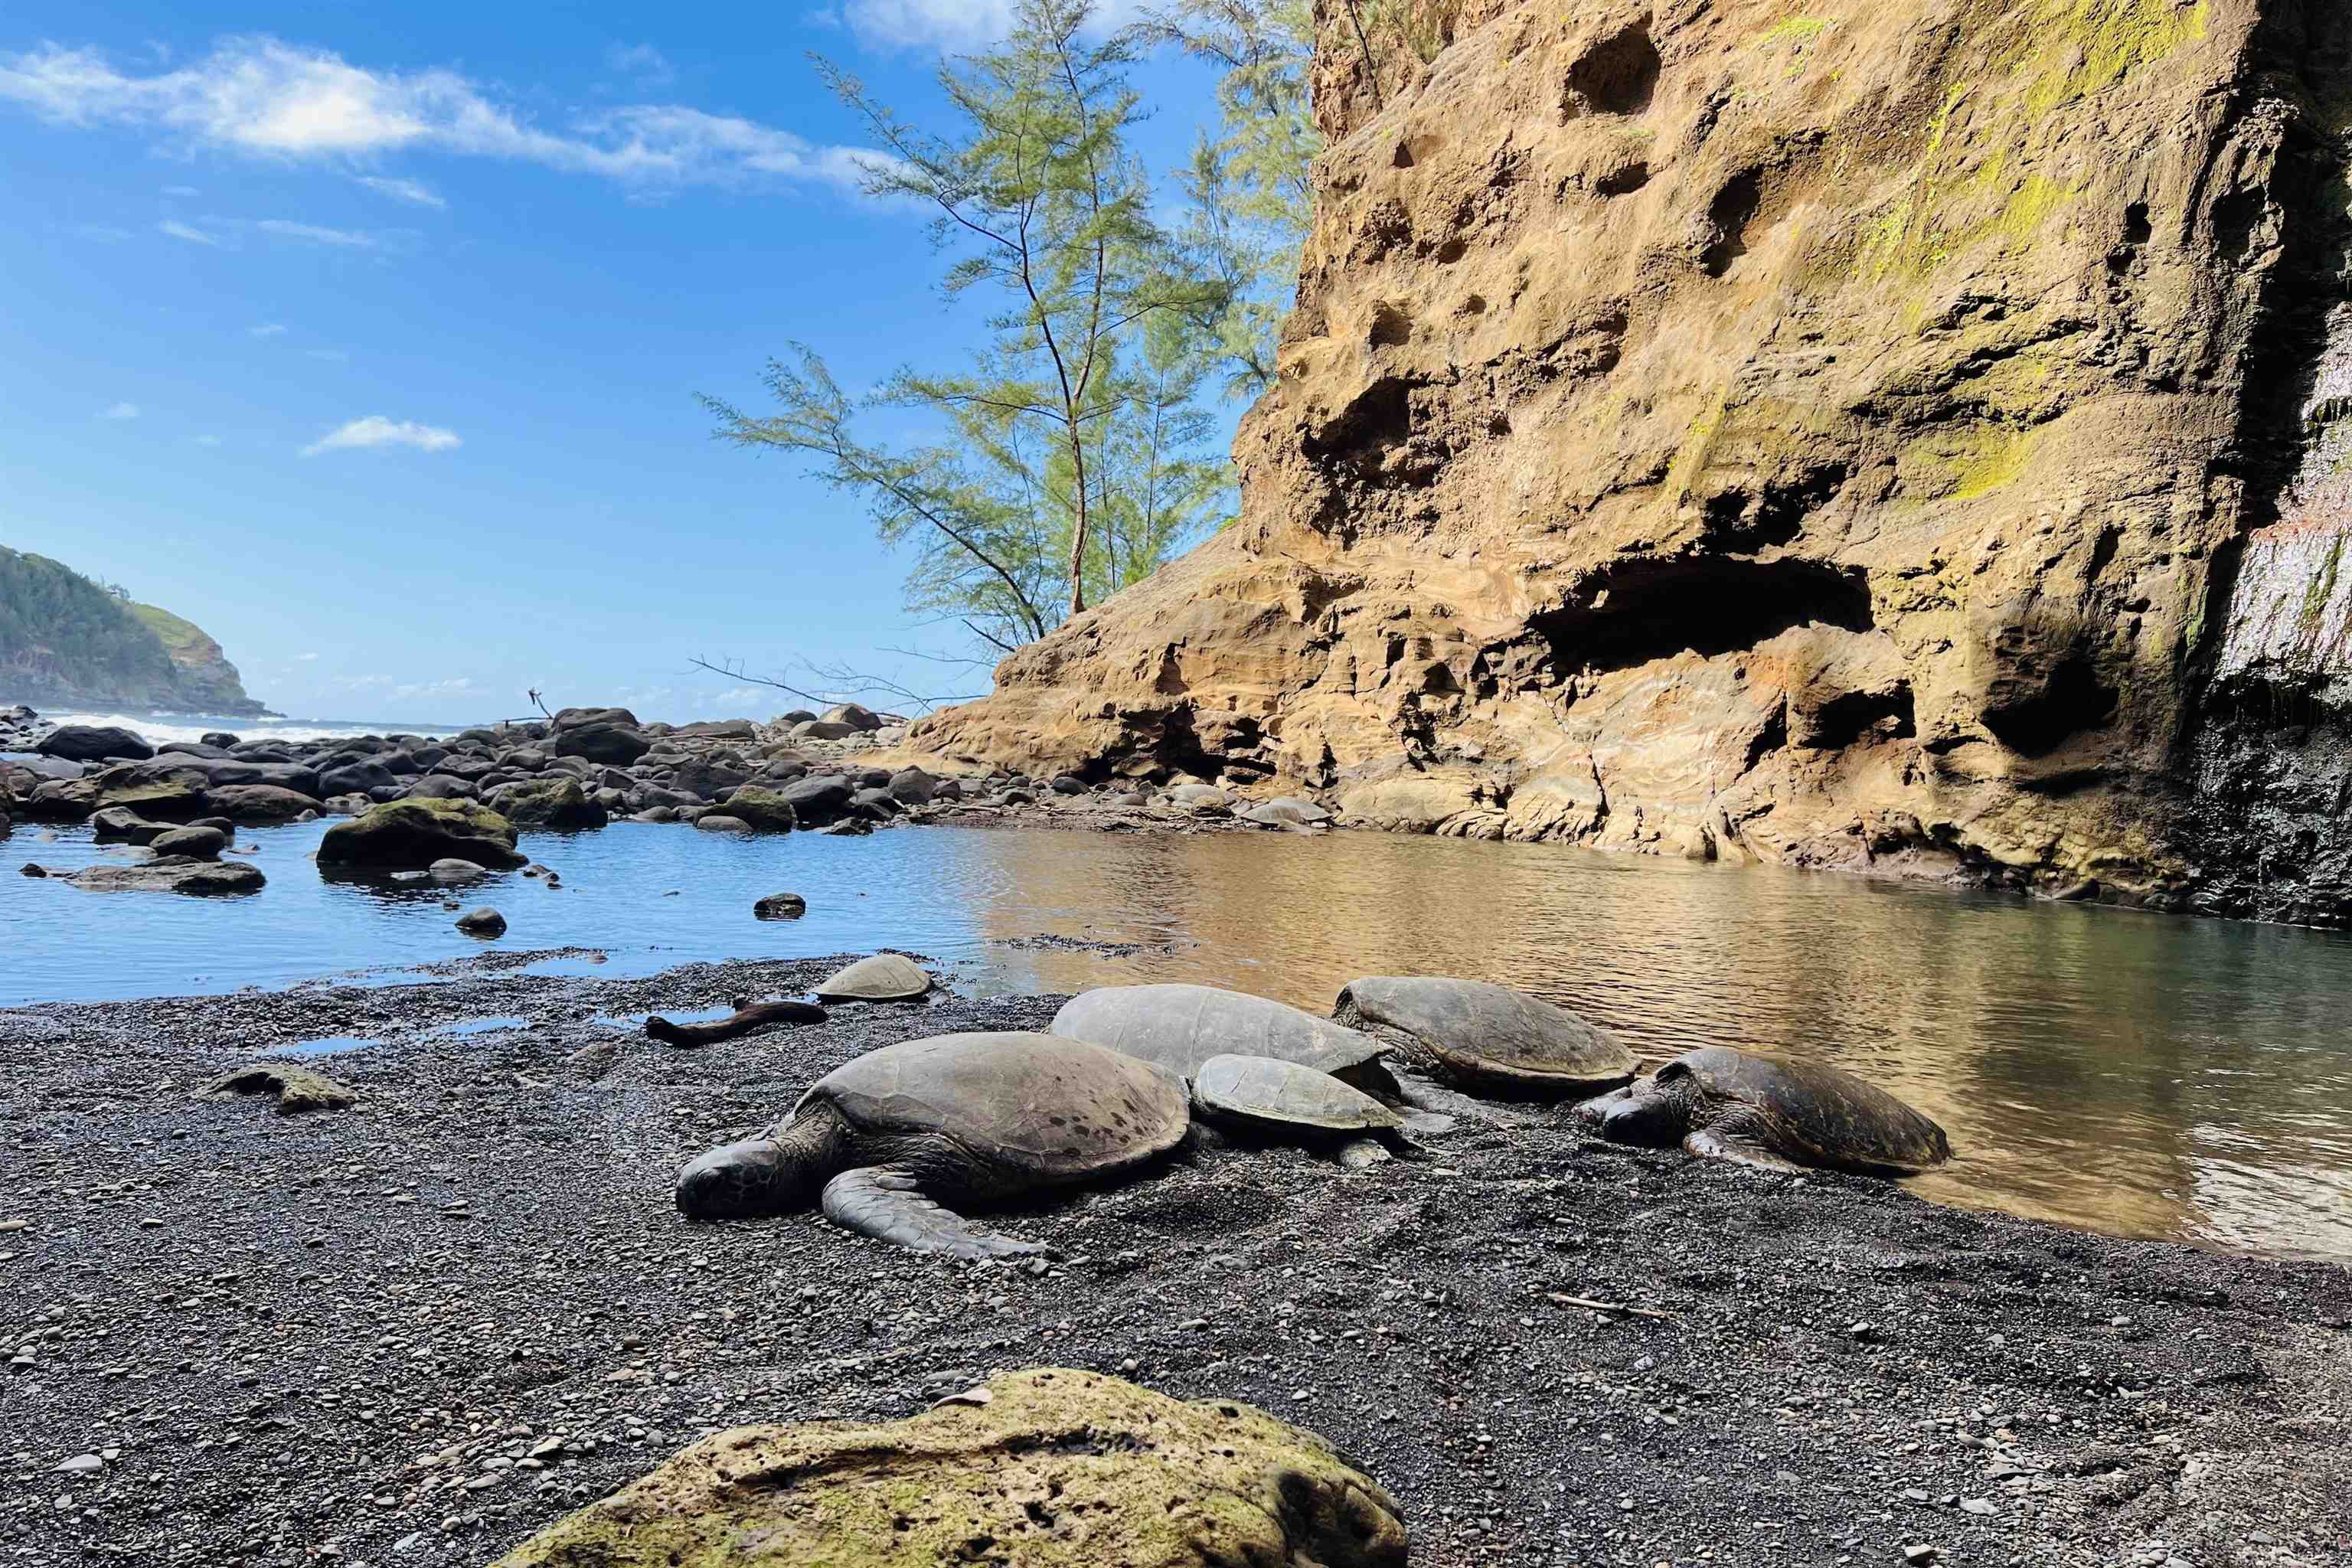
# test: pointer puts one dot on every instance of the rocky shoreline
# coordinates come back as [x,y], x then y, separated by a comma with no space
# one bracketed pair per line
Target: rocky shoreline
[416,1331]
[578,769]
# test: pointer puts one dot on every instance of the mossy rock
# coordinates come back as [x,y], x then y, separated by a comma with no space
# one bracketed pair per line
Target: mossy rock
[410,834]
[1046,1468]
[297,1088]
[558,801]
[766,810]
[168,797]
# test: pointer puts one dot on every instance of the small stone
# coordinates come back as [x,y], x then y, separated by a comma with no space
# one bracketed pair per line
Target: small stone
[82,1464]
[484,922]
[1978,1505]
[1921,1552]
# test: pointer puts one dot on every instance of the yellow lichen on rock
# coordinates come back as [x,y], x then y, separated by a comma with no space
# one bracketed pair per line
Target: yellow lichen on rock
[1044,1468]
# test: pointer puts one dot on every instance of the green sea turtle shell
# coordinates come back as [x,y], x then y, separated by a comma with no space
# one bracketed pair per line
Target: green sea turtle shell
[1262,1089]
[884,977]
[1040,1104]
[1819,1113]
[1489,1032]
[1180,1027]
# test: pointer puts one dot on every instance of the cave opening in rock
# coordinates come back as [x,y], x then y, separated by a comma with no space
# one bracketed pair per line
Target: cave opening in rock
[1706,604]
[1620,74]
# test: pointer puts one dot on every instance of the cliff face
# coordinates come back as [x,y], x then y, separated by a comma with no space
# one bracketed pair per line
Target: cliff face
[66,641]
[206,682]
[1832,437]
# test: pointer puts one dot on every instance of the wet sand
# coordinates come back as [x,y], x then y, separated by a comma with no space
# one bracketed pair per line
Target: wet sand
[416,1332]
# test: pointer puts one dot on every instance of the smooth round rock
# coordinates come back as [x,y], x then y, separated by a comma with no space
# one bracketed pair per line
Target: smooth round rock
[780,907]
[884,977]
[1488,1035]
[484,922]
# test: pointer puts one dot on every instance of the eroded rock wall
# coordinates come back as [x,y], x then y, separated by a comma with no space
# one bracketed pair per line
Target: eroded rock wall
[1706,426]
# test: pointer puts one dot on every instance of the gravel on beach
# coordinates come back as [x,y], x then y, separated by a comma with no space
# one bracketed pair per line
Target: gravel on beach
[416,1332]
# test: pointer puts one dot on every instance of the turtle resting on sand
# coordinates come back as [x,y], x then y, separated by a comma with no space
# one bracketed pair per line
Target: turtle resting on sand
[1774,1115]
[1263,1093]
[750,1018]
[1488,1036]
[887,1137]
[1180,1027]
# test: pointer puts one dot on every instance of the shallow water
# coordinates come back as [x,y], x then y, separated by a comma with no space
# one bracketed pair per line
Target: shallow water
[2137,1074]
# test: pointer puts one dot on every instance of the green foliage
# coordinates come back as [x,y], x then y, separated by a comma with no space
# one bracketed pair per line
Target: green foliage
[1070,463]
[60,629]
[1249,188]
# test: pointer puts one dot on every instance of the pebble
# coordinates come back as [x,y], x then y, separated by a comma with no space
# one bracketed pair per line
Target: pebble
[82,1464]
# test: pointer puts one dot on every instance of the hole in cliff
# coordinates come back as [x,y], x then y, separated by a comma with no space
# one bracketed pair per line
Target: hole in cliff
[1473,305]
[1452,251]
[1856,715]
[2235,218]
[2137,230]
[1620,74]
[1377,422]
[1706,604]
[2032,716]
[1391,326]
[1403,159]
[1728,217]
[1623,182]
[1755,520]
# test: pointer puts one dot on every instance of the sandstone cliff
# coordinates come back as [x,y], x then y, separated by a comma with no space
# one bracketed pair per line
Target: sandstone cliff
[1827,435]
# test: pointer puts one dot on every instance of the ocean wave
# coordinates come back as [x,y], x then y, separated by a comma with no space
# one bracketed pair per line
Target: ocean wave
[159,732]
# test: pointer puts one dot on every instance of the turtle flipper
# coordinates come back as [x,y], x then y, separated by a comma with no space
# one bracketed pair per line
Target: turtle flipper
[885,1202]
[1730,1143]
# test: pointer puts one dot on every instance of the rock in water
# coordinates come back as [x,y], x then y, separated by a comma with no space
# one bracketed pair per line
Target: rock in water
[93,743]
[884,977]
[1488,1036]
[557,803]
[484,922]
[195,843]
[780,907]
[1054,1469]
[410,834]
[764,810]
[297,1088]
[1730,506]
[176,874]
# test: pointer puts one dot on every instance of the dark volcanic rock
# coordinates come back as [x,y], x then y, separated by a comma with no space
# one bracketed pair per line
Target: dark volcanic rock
[92,743]
[174,875]
[816,800]
[599,735]
[484,922]
[194,843]
[767,810]
[556,803]
[410,834]
[259,803]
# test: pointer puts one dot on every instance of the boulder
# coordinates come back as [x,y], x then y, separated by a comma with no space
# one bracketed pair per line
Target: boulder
[780,907]
[120,824]
[456,873]
[718,730]
[174,794]
[356,776]
[483,921]
[176,874]
[913,787]
[706,780]
[296,1088]
[222,739]
[259,803]
[410,834]
[440,786]
[194,843]
[1043,1468]
[767,810]
[720,822]
[850,714]
[599,735]
[557,803]
[643,798]
[93,743]
[822,729]
[819,799]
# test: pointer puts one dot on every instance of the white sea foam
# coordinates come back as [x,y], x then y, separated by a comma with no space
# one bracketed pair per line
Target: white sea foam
[160,732]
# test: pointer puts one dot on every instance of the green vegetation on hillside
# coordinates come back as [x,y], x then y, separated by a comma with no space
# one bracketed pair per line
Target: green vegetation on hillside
[61,634]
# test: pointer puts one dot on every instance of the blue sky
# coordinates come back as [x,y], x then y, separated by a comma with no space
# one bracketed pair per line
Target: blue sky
[366,337]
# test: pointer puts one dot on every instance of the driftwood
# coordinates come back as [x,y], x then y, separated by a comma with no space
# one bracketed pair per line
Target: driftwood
[750,1018]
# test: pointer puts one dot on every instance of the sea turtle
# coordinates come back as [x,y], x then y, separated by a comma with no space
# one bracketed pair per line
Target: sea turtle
[1775,1115]
[955,1117]
[884,977]
[1486,1037]
[1180,1027]
[748,1017]
[1265,1093]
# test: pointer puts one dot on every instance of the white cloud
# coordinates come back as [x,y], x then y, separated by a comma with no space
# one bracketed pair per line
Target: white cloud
[269,98]
[416,191]
[306,658]
[643,63]
[376,430]
[268,330]
[180,191]
[315,233]
[188,232]
[449,688]
[122,411]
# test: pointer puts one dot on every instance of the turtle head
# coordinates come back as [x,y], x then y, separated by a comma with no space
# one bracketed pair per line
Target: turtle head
[1655,1113]
[760,1176]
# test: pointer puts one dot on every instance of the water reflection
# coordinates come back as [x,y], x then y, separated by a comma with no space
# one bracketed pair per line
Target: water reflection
[2140,1075]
